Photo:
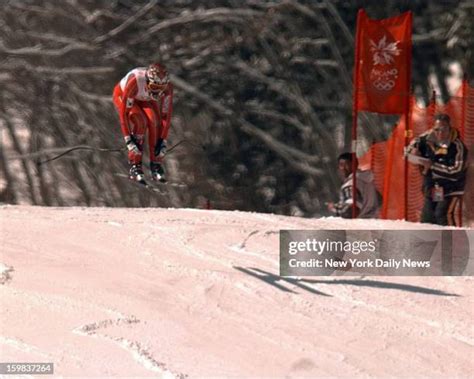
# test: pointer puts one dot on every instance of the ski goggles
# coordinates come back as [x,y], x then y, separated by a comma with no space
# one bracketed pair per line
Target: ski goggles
[155,87]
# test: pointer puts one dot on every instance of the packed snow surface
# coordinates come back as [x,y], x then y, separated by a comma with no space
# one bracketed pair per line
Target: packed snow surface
[194,293]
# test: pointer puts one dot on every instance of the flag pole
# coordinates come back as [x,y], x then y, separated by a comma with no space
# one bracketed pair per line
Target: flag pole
[355,113]
[408,135]
[407,113]
[463,130]
[463,106]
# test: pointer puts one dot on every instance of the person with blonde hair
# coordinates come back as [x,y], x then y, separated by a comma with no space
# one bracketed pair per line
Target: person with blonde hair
[444,171]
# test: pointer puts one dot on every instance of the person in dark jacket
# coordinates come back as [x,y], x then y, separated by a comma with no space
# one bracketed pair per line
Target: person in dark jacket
[444,170]
[368,199]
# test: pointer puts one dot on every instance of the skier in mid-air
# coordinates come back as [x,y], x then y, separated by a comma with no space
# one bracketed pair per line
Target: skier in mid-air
[144,102]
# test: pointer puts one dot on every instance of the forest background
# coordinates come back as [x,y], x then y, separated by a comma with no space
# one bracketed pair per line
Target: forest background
[263,96]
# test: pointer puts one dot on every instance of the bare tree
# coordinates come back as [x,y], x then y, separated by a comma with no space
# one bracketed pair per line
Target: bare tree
[262,106]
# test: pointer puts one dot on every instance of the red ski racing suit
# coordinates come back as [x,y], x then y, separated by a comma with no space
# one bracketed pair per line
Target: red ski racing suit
[139,110]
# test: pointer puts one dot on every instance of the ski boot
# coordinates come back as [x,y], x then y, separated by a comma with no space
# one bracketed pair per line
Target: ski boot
[160,149]
[136,173]
[157,172]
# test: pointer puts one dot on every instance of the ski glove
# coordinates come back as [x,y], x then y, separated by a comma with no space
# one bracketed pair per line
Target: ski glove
[160,148]
[132,146]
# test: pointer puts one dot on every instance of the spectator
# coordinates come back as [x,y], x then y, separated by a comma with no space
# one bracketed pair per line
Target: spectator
[368,199]
[444,170]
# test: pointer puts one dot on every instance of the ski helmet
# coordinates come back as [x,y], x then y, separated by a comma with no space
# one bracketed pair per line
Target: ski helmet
[157,78]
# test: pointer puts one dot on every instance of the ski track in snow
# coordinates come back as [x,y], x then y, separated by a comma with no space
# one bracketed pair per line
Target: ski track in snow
[214,275]
[5,273]
[445,329]
[145,358]
[19,345]
[140,354]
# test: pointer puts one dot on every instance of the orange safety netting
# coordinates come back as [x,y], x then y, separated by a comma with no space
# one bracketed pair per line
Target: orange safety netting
[386,159]
[468,135]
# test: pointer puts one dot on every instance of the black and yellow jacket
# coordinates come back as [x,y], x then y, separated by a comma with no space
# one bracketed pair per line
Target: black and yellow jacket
[449,162]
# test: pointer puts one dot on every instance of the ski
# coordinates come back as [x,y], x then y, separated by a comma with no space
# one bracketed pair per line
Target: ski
[142,183]
[154,183]
[167,183]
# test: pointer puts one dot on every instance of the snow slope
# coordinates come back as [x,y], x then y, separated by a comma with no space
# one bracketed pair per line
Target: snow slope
[174,293]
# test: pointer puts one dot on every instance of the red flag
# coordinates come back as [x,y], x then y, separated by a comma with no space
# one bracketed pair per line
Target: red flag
[383,61]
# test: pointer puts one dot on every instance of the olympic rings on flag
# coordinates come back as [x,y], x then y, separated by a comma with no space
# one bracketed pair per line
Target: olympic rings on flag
[384,85]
